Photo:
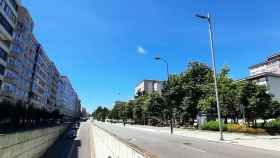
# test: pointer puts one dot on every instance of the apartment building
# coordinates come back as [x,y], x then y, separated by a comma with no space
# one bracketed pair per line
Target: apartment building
[55,75]
[78,107]
[20,61]
[267,74]
[69,97]
[148,87]
[26,72]
[270,65]
[8,21]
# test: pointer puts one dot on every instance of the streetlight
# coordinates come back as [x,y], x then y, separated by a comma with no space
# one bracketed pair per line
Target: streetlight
[208,18]
[124,111]
[167,73]
[167,65]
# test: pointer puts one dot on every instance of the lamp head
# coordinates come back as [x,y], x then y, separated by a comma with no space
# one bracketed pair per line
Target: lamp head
[157,58]
[201,16]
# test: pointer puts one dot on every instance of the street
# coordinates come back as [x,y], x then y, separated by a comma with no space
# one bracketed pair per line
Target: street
[81,147]
[166,146]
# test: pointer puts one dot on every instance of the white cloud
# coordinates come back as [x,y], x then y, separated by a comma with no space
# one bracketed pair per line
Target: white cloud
[141,50]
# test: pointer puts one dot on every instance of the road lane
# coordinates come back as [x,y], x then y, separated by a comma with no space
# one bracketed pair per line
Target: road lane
[81,147]
[171,146]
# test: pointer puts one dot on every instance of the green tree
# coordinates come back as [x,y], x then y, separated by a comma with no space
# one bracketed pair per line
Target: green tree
[275,109]
[156,108]
[228,90]
[194,81]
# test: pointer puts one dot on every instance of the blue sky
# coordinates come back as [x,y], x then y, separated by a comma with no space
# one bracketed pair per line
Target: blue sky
[107,47]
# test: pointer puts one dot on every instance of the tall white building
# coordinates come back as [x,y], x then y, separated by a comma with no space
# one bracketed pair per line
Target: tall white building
[267,74]
[148,87]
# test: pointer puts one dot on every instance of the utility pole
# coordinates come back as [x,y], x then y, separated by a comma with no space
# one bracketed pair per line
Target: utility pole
[210,28]
[167,73]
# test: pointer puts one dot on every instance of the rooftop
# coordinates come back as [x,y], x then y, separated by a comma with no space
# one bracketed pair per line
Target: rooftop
[271,58]
[261,75]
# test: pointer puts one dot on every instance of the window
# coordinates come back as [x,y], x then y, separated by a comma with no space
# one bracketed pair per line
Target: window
[8,11]
[2,69]
[9,88]
[6,25]
[14,4]
[3,54]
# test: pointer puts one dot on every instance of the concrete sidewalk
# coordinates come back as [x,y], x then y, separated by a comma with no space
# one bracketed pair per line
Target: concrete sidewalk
[258,141]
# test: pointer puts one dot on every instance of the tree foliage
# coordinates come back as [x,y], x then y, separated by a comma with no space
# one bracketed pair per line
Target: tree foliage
[192,92]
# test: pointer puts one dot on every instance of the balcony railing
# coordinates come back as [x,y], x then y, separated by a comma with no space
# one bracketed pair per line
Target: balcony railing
[10,80]
[14,4]
[4,22]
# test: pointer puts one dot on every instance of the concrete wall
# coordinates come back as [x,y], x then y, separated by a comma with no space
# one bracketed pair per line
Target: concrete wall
[110,146]
[29,144]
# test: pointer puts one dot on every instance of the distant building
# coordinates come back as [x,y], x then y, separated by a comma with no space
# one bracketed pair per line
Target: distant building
[267,74]
[78,107]
[148,87]
[41,85]
[119,103]
[69,97]
[270,65]
[84,112]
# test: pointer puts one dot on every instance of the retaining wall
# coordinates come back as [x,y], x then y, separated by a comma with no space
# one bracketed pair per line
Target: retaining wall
[29,144]
[108,145]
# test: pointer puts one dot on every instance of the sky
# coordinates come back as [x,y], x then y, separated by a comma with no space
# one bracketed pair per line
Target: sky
[107,47]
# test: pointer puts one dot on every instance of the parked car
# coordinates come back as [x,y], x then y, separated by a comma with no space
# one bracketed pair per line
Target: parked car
[75,127]
[72,134]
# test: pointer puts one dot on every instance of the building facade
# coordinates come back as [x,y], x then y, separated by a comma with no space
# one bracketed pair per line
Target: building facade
[26,72]
[267,74]
[8,22]
[69,97]
[20,61]
[270,65]
[148,87]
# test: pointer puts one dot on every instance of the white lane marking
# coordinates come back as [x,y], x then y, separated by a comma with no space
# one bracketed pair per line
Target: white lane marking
[195,149]
[91,139]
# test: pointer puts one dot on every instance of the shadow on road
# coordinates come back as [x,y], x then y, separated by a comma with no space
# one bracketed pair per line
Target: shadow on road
[64,148]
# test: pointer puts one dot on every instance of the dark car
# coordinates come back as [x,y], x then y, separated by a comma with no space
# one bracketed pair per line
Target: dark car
[75,127]
[72,134]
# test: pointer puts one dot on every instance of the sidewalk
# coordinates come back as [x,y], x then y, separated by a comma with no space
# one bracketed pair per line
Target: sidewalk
[258,141]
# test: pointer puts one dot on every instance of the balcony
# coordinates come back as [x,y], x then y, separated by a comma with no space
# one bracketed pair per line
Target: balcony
[8,95]
[14,4]
[12,67]
[10,80]
[6,25]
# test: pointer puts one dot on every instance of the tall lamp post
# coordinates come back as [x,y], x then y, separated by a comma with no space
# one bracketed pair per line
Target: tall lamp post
[124,112]
[208,19]
[167,73]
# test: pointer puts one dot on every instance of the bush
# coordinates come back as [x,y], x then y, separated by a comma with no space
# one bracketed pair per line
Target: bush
[235,127]
[274,124]
[212,126]
[243,129]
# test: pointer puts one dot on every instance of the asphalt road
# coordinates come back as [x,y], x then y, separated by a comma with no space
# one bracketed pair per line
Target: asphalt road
[81,147]
[173,146]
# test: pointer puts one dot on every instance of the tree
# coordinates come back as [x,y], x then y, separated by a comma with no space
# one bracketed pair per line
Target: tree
[275,109]
[129,109]
[195,82]
[256,101]
[228,91]
[156,108]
